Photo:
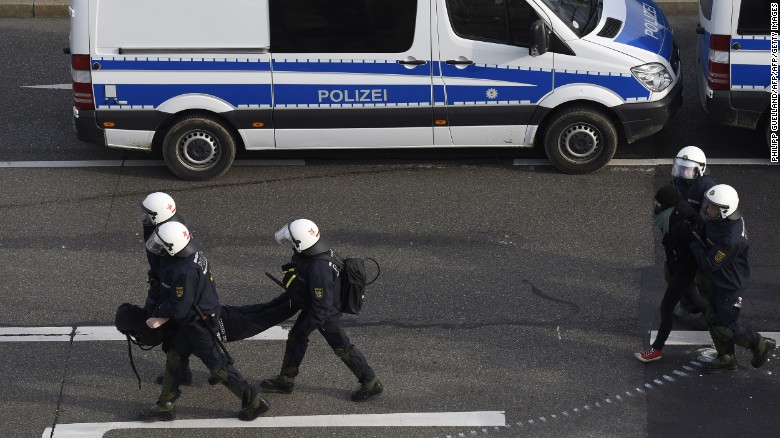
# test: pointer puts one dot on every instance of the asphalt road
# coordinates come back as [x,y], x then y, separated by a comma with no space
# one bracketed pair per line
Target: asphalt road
[504,288]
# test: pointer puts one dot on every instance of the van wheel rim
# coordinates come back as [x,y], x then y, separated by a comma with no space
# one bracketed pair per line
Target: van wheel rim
[198,149]
[580,141]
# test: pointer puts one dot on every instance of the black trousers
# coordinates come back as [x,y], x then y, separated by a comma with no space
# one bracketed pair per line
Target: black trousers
[242,322]
[722,318]
[197,339]
[679,284]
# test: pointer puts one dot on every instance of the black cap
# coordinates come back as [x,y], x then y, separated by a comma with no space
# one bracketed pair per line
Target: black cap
[668,196]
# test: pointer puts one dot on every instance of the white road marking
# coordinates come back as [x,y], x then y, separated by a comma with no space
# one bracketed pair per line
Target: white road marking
[134,163]
[682,337]
[99,333]
[654,162]
[51,87]
[414,419]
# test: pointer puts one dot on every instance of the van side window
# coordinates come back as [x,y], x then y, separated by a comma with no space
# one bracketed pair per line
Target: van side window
[754,17]
[706,8]
[342,26]
[497,21]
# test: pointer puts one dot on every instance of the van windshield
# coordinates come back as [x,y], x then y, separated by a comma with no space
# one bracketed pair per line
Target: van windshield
[580,15]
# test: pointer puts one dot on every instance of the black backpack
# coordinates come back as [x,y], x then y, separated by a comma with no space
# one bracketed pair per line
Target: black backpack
[353,281]
[130,320]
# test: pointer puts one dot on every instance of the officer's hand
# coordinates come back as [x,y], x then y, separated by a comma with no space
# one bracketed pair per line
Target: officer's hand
[154,323]
[289,274]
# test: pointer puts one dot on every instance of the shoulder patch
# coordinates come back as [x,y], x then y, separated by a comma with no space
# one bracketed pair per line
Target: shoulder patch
[318,293]
[719,256]
[179,291]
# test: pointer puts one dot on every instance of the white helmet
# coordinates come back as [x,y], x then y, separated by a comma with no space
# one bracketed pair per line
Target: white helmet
[157,208]
[689,163]
[171,237]
[724,202]
[303,235]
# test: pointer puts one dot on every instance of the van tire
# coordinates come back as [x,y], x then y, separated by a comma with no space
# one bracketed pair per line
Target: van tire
[580,140]
[198,148]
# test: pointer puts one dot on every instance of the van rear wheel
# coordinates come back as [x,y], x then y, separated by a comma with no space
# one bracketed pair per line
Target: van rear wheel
[198,148]
[580,140]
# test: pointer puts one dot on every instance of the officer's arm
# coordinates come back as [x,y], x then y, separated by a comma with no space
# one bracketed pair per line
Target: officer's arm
[179,297]
[714,258]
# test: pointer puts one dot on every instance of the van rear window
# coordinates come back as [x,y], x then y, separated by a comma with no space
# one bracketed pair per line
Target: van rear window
[754,17]
[342,26]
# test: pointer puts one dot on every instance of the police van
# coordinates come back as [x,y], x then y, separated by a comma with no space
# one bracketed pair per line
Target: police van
[201,79]
[733,58]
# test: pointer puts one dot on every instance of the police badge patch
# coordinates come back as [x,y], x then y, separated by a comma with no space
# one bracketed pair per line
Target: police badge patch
[318,293]
[179,291]
[719,256]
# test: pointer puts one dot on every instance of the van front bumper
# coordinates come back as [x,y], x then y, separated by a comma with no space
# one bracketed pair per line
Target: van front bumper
[641,120]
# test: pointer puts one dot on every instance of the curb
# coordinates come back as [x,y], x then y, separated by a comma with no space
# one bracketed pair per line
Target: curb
[34,8]
[59,8]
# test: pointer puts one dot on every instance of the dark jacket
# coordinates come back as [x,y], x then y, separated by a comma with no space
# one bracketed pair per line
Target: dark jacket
[184,282]
[693,190]
[315,290]
[153,274]
[725,263]
[676,242]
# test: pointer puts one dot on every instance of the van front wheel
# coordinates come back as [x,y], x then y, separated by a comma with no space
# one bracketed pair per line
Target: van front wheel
[198,148]
[580,140]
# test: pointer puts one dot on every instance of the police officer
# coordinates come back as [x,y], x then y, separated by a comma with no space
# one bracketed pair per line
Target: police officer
[156,209]
[189,298]
[672,215]
[313,287]
[723,258]
[689,170]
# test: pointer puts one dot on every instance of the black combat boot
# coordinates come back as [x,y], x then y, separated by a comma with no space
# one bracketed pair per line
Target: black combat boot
[256,407]
[367,390]
[165,411]
[722,363]
[761,353]
[279,384]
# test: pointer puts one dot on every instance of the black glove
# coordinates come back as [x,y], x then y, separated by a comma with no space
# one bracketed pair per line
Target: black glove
[290,274]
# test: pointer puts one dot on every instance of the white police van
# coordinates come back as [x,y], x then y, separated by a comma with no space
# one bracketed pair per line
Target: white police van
[734,62]
[202,78]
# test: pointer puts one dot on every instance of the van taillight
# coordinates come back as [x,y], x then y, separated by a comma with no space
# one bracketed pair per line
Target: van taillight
[82,82]
[718,68]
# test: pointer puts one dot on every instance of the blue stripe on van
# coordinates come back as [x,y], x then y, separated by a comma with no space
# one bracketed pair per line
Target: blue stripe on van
[750,74]
[751,44]
[184,65]
[155,94]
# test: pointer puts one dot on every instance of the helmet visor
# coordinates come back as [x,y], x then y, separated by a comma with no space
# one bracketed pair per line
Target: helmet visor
[155,245]
[283,236]
[711,211]
[684,169]
[146,217]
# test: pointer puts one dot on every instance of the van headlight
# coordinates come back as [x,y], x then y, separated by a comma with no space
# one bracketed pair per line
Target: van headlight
[653,76]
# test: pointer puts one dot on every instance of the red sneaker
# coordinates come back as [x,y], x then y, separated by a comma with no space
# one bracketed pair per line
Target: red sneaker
[649,355]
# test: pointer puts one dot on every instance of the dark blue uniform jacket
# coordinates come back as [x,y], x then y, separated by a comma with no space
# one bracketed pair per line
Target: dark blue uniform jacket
[184,282]
[726,262]
[316,291]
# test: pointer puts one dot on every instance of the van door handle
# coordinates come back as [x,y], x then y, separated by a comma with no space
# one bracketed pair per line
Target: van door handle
[412,61]
[700,30]
[458,62]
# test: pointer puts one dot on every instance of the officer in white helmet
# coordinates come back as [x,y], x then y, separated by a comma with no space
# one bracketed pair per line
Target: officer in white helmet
[313,286]
[156,209]
[722,255]
[689,169]
[190,300]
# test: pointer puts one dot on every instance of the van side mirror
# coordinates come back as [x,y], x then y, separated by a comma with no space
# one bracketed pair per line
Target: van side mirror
[540,38]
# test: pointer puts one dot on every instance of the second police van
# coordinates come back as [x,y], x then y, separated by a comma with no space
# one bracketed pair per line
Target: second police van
[203,78]
[733,57]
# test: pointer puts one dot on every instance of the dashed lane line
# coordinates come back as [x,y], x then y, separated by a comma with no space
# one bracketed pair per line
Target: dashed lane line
[99,333]
[414,419]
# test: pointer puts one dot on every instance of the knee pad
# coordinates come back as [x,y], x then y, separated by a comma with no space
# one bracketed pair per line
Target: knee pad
[722,333]
[218,376]
[343,354]
[173,360]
